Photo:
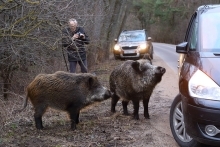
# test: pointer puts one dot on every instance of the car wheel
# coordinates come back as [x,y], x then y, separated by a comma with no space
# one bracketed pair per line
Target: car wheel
[116,58]
[178,127]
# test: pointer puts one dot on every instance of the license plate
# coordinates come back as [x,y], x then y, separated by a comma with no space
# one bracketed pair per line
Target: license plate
[129,52]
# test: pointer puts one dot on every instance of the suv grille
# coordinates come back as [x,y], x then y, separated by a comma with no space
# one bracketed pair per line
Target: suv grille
[131,54]
[128,48]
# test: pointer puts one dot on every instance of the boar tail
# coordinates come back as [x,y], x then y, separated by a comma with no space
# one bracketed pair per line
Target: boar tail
[24,105]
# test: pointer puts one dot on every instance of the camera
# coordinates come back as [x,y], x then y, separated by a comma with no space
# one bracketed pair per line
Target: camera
[80,34]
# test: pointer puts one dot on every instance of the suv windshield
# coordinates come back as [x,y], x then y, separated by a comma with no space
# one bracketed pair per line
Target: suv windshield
[132,37]
[210,31]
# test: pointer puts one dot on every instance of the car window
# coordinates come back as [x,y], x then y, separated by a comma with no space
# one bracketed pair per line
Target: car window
[193,35]
[210,32]
[132,37]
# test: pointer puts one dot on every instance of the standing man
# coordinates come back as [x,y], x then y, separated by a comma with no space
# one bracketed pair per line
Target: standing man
[74,39]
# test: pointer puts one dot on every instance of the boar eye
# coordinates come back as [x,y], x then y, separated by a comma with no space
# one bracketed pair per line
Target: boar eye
[146,67]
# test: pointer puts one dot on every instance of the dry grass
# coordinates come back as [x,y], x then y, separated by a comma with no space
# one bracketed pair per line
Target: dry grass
[97,127]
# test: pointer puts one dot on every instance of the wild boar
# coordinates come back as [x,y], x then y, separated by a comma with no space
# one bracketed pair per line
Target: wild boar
[64,91]
[134,81]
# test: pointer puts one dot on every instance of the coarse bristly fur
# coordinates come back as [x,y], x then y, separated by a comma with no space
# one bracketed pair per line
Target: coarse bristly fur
[134,81]
[64,91]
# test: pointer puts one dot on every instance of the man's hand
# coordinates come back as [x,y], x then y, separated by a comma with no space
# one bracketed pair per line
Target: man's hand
[75,36]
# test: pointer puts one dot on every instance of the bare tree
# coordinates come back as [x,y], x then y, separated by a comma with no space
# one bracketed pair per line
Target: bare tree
[170,16]
[30,35]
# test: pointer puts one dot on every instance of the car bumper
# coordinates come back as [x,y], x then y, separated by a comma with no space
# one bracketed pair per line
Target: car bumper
[129,56]
[197,115]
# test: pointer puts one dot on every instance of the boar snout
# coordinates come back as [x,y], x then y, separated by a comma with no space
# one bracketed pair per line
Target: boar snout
[107,94]
[102,94]
[160,70]
[163,70]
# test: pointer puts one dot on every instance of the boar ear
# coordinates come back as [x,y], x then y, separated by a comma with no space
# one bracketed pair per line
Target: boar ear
[90,82]
[136,66]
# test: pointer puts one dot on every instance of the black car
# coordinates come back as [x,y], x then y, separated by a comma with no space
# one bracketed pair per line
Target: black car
[133,44]
[195,111]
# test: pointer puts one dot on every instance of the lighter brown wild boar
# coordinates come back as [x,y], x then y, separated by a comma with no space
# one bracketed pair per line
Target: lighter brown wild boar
[64,91]
[134,81]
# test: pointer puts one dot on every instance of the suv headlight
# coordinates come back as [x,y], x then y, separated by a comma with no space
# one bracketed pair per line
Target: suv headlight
[117,47]
[202,86]
[142,46]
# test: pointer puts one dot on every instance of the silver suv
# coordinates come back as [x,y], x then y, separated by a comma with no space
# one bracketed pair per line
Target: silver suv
[133,44]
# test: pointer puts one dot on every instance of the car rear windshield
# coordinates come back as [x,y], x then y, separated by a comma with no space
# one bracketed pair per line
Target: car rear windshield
[210,32]
[132,37]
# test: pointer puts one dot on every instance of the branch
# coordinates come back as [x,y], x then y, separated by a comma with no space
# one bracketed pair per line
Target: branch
[30,2]
[3,7]
[22,35]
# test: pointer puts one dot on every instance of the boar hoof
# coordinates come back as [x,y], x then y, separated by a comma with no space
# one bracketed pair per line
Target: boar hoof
[136,117]
[147,116]
[113,110]
[73,127]
[40,128]
[126,113]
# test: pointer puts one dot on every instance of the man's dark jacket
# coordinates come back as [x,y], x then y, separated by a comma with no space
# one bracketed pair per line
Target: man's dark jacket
[75,48]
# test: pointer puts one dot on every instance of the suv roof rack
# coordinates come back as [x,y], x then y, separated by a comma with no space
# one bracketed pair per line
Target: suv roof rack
[134,30]
[203,7]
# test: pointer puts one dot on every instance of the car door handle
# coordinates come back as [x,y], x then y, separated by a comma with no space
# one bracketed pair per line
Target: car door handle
[216,54]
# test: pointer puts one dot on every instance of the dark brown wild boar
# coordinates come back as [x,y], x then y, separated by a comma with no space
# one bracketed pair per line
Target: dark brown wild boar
[134,81]
[64,91]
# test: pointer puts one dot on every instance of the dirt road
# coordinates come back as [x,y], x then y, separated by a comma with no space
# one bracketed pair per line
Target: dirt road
[98,127]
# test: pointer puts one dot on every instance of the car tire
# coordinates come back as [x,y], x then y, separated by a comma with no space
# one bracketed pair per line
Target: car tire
[116,58]
[177,119]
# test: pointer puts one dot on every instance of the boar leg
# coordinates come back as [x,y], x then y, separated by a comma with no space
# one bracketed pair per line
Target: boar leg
[125,108]
[39,111]
[74,116]
[136,109]
[77,119]
[145,103]
[115,99]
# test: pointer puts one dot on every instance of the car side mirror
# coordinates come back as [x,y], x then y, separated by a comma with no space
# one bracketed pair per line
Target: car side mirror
[182,47]
[149,38]
[116,40]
